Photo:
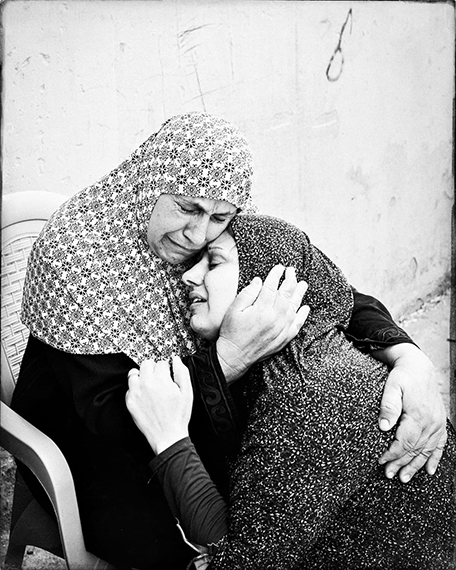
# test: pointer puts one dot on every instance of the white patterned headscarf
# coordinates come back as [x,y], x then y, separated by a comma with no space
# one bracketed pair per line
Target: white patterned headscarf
[93,285]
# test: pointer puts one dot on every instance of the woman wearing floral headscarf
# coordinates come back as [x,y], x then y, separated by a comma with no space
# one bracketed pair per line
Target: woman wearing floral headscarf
[306,490]
[103,292]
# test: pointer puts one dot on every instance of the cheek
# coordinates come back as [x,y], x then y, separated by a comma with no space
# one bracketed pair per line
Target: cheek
[164,221]
[224,292]
[152,238]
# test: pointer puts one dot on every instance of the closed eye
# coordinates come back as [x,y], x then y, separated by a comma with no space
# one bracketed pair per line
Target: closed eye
[216,258]
[187,210]
[223,218]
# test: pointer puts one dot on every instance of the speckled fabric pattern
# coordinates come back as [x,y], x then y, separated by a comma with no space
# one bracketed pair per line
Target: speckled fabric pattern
[329,295]
[306,489]
[93,286]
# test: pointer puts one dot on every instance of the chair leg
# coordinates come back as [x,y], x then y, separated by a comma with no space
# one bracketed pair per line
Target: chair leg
[30,525]
[16,549]
[14,557]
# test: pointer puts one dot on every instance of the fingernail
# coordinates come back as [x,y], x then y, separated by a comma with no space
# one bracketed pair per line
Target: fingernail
[390,474]
[406,478]
[384,424]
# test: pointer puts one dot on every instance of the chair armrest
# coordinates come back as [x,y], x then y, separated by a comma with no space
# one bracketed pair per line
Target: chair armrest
[42,456]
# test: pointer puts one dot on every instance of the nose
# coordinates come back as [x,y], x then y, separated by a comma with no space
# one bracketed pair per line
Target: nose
[195,276]
[196,231]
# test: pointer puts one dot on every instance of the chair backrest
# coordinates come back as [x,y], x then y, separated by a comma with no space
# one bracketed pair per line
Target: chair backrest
[23,216]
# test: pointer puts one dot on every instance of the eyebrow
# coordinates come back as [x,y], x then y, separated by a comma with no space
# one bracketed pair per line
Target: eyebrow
[225,251]
[189,201]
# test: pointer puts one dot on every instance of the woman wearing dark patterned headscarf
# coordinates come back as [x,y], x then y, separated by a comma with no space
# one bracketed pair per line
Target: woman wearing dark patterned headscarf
[306,490]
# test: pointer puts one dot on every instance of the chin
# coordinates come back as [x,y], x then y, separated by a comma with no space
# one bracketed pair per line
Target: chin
[174,259]
[203,331]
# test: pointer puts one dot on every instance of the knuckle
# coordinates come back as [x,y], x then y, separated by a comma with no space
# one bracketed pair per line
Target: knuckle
[409,448]
[389,408]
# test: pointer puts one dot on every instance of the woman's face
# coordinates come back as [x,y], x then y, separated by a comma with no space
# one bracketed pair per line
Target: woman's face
[181,226]
[212,284]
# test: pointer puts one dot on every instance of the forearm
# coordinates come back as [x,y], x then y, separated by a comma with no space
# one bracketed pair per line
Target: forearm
[213,402]
[191,494]
[371,325]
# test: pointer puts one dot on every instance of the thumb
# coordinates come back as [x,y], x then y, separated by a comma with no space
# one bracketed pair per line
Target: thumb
[247,296]
[182,377]
[391,404]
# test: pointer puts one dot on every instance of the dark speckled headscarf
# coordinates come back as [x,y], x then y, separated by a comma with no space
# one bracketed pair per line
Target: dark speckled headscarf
[264,241]
[93,286]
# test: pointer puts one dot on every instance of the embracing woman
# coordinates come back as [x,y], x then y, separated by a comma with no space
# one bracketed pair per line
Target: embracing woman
[306,489]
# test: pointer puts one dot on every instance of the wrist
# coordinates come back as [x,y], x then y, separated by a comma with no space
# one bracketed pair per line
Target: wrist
[404,353]
[160,445]
[232,361]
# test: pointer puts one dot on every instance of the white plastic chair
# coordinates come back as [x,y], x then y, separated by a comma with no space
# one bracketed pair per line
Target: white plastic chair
[23,216]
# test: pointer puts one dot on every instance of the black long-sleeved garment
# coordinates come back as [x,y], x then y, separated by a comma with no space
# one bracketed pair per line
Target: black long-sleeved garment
[79,401]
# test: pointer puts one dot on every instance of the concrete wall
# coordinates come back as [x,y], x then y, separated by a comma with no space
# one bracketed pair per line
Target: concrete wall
[354,145]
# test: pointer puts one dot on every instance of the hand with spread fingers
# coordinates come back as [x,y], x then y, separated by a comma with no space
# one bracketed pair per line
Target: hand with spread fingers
[412,399]
[262,320]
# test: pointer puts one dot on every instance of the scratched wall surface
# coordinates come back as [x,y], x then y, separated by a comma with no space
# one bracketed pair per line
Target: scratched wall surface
[347,105]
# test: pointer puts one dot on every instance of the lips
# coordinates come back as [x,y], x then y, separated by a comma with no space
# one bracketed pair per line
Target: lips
[196,298]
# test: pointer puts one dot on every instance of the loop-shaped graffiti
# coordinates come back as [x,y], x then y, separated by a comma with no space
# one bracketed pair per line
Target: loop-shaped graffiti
[333,73]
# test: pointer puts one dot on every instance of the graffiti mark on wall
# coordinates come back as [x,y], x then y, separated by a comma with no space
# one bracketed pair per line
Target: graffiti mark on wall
[336,63]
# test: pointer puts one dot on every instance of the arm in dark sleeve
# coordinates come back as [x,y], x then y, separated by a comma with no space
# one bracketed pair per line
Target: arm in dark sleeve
[191,494]
[215,426]
[214,399]
[371,326]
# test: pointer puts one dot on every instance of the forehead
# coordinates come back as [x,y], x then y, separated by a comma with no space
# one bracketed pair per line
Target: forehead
[224,242]
[208,205]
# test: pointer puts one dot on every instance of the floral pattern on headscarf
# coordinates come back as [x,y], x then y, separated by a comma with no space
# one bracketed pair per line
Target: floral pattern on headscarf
[93,286]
